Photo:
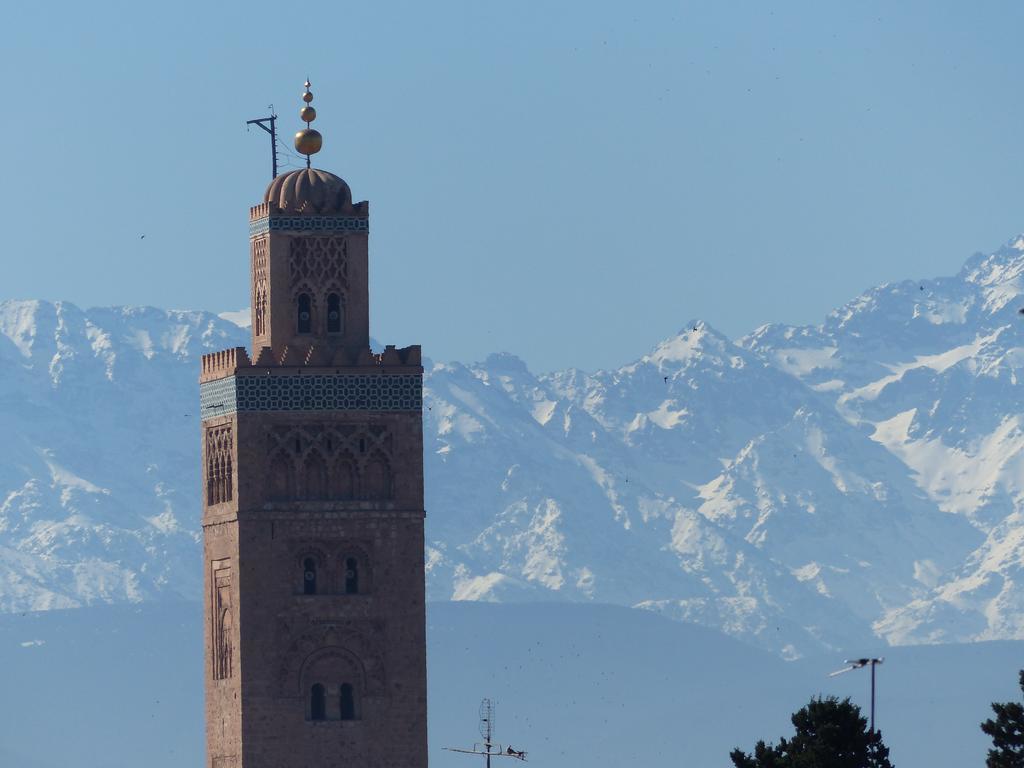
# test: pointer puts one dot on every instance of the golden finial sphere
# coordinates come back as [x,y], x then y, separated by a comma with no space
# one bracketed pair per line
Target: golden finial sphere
[307,96]
[308,141]
[308,114]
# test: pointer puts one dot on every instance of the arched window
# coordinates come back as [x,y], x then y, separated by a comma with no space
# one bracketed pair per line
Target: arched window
[317,702]
[351,576]
[348,702]
[335,315]
[304,318]
[309,576]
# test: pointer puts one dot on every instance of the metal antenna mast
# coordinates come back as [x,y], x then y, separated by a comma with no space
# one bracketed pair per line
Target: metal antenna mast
[489,748]
[860,664]
[272,130]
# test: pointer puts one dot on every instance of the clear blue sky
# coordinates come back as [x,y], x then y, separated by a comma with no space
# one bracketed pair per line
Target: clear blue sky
[569,182]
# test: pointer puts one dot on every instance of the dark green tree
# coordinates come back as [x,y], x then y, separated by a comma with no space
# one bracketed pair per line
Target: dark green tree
[1007,732]
[829,734]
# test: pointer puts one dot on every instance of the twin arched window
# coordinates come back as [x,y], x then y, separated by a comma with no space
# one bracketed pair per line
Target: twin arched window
[350,577]
[318,703]
[304,313]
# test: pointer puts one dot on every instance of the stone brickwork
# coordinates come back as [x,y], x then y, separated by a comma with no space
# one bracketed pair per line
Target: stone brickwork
[313,518]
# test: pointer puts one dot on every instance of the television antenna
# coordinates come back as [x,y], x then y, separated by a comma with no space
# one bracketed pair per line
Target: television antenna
[860,664]
[489,748]
[269,124]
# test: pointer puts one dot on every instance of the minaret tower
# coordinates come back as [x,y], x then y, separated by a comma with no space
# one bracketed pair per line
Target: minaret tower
[312,450]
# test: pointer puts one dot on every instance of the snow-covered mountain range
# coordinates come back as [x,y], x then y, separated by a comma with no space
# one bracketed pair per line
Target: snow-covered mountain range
[800,488]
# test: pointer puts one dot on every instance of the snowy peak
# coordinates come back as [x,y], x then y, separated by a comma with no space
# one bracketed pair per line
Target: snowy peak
[697,340]
[802,488]
[49,335]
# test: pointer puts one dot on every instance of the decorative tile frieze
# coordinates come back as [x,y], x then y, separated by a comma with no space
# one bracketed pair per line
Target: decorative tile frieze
[312,392]
[308,224]
[217,398]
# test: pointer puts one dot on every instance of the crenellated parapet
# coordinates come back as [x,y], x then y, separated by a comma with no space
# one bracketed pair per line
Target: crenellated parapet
[217,365]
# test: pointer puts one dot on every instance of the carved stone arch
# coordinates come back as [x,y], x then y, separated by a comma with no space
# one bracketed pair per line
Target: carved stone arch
[359,647]
[223,624]
[277,439]
[219,469]
[301,551]
[260,309]
[260,274]
[223,654]
[332,666]
[281,476]
[305,440]
[341,436]
[335,286]
[380,438]
[314,476]
[296,440]
[344,478]
[315,670]
[376,483]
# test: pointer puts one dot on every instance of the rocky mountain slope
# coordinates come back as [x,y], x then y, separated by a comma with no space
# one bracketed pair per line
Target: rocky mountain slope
[801,488]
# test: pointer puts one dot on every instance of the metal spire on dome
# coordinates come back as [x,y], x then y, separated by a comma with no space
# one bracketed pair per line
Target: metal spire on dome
[308,141]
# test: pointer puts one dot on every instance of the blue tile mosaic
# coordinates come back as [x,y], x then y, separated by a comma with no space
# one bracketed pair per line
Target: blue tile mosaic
[308,224]
[217,398]
[312,392]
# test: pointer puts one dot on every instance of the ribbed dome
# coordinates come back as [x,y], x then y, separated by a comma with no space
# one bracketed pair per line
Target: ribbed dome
[310,191]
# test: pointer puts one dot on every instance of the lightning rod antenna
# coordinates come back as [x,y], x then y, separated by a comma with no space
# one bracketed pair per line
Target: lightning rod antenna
[262,122]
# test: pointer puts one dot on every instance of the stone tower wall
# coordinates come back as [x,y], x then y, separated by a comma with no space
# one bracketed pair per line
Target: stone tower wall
[313,519]
[317,256]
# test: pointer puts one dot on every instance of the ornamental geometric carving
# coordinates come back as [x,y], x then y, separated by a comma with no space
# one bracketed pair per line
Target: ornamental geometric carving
[223,620]
[318,267]
[219,472]
[259,285]
[329,463]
